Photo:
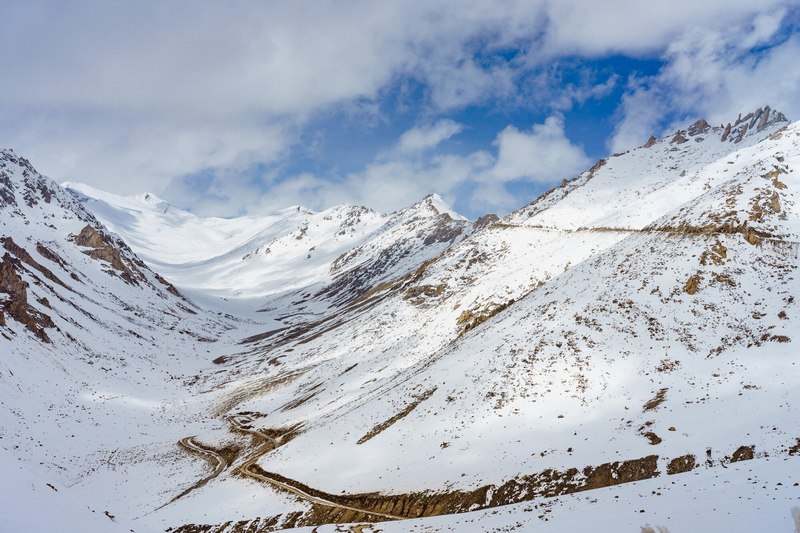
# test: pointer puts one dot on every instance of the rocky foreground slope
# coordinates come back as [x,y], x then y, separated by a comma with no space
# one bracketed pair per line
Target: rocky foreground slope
[632,330]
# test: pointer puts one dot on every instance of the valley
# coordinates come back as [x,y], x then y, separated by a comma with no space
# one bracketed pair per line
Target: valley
[621,351]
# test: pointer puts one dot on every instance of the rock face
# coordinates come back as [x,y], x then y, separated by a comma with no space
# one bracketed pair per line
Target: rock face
[16,304]
[102,249]
[40,256]
[699,127]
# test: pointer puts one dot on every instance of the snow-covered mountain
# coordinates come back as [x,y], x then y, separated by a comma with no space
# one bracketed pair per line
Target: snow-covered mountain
[99,354]
[295,254]
[632,330]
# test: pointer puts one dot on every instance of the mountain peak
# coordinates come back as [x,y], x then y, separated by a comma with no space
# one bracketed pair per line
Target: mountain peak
[434,202]
[745,126]
[752,123]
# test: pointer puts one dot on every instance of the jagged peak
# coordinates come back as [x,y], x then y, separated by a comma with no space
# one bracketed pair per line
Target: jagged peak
[751,123]
[746,125]
[435,205]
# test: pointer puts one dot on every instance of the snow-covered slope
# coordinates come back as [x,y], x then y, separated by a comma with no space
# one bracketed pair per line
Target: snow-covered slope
[538,358]
[333,255]
[625,343]
[99,354]
[627,191]
[32,503]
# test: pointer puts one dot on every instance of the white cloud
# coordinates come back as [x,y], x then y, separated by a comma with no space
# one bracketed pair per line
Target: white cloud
[429,136]
[543,155]
[135,95]
[635,27]
[400,177]
[713,74]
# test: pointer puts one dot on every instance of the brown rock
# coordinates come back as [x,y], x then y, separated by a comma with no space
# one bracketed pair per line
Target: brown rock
[692,284]
[726,132]
[701,126]
[743,453]
[678,138]
[764,119]
[17,305]
[752,237]
[102,249]
[484,221]
[741,134]
[681,464]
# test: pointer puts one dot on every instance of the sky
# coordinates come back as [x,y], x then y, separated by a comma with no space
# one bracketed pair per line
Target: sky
[246,107]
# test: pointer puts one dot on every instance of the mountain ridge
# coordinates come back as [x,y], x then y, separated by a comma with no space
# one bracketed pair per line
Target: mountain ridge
[599,337]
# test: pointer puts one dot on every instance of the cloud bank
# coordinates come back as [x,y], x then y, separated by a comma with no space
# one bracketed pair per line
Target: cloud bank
[211,102]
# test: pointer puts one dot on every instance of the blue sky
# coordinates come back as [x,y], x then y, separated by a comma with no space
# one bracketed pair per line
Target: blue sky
[248,107]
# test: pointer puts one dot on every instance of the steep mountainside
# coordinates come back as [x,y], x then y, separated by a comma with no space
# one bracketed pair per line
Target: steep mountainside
[99,353]
[632,330]
[542,358]
[295,256]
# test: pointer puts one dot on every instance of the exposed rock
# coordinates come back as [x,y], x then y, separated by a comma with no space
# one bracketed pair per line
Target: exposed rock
[764,119]
[678,138]
[650,142]
[743,453]
[653,438]
[470,319]
[485,220]
[701,126]
[756,115]
[597,166]
[444,231]
[692,284]
[741,134]
[170,287]
[22,254]
[416,294]
[795,448]
[10,282]
[50,255]
[657,400]
[399,416]
[6,190]
[103,250]
[618,472]
[679,465]
[752,237]
[726,133]
[17,306]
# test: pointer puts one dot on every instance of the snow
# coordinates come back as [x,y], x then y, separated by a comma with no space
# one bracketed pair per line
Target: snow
[420,354]
[270,255]
[759,495]
[31,503]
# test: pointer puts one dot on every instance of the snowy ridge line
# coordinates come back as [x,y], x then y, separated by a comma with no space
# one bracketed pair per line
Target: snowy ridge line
[744,230]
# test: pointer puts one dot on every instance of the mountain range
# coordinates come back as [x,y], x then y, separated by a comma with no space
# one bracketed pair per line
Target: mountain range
[622,351]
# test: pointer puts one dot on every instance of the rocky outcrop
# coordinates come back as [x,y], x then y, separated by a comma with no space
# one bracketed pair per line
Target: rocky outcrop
[16,304]
[25,257]
[750,123]
[678,138]
[486,220]
[726,133]
[699,127]
[102,249]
